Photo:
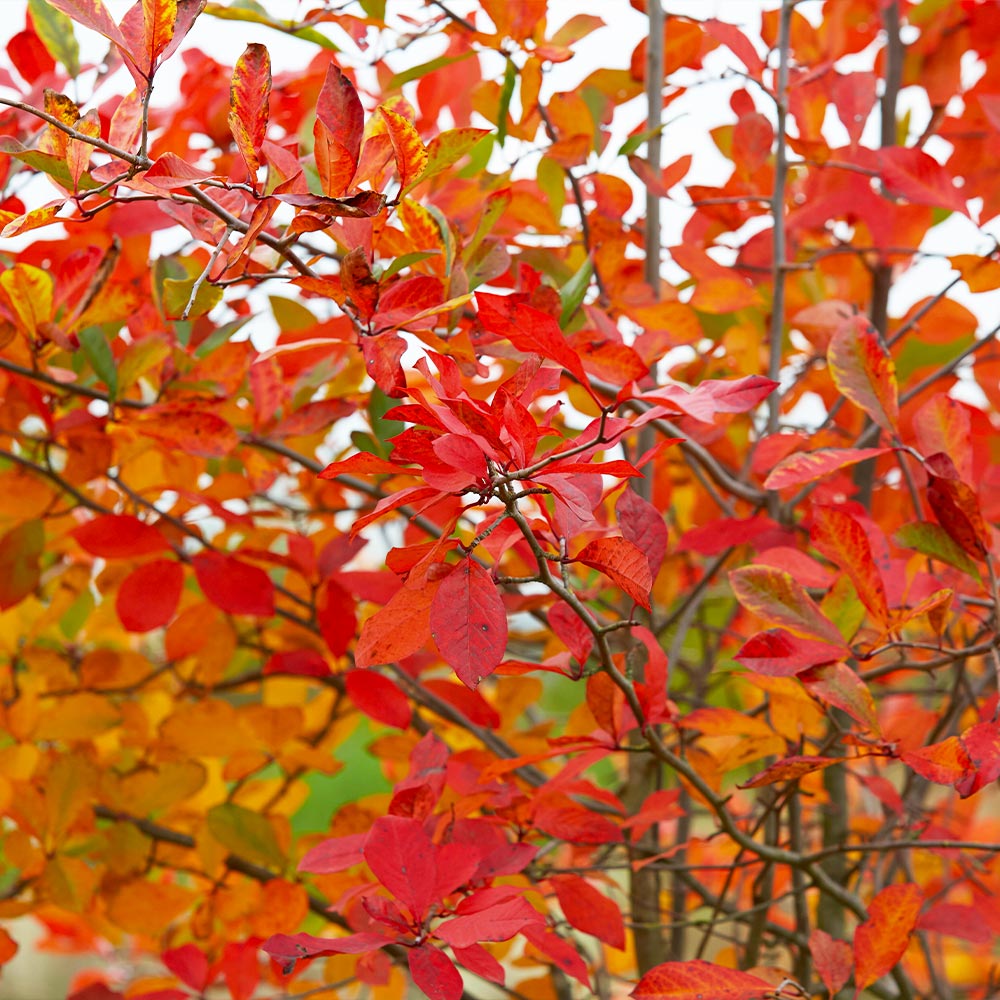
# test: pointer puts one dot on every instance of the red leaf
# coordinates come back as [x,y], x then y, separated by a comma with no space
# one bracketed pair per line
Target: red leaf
[642,525]
[190,965]
[434,973]
[561,952]
[382,356]
[197,432]
[149,595]
[289,948]
[119,536]
[379,698]
[496,921]
[234,586]
[20,550]
[624,563]
[956,506]
[339,109]
[862,370]
[807,467]
[334,855]
[241,968]
[698,980]
[298,663]
[589,910]
[249,94]
[571,631]
[778,653]
[575,823]
[956,920]
[529,330]
[880,941]
[777,597]
[401,857]
[833,959]
[919,178]
[477,959]
[469,622]
[336,617]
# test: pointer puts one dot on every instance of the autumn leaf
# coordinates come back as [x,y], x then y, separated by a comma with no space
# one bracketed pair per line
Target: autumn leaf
[468,622]
[696,980]
[623,563]
[863,371]
[880,941]
[248,102]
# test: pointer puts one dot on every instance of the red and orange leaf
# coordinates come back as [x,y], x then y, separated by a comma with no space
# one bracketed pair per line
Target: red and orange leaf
[807,467]
[880,941]
[622,562]
[158,18]
[790,769]
[643,525]
[699,980]
[777,597]
[249,96]
[234,586]
[834,960]
[919,178]
[411,156]
[469,622]
[838,685]
[843,540]
[339,109]
[864,372]
[149,595]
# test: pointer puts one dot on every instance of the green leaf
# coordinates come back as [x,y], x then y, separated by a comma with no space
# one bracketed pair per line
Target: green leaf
[932,540]
[55,166]
[506,93]
[98,352]
[254,13]
[415,72]
[177,295]
[406,260]
[55,30]
[378,404]
[632,143]
[247,834]
[220,336]
[573,292]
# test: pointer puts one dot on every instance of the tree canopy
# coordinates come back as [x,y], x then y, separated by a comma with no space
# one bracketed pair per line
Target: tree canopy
[419,565]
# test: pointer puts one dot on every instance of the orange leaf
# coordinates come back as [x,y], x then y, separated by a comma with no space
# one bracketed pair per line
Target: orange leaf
[158,19]
[806,467]
[863,371]
[880,941]
[790,769]
[698,980]
[411,157]
[20,551]
[624,563]
[249,94]
[399,629]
